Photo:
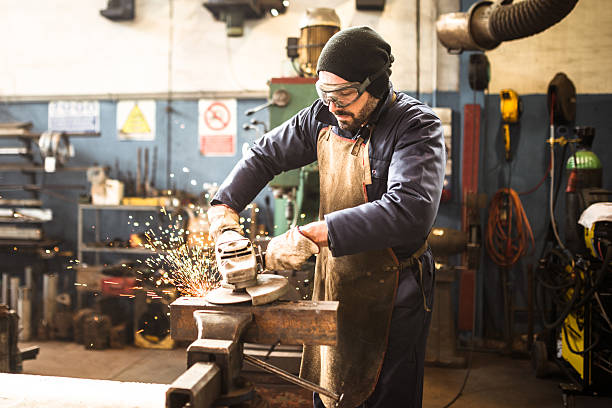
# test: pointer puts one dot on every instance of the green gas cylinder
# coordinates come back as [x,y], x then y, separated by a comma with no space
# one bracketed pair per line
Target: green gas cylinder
[584,174]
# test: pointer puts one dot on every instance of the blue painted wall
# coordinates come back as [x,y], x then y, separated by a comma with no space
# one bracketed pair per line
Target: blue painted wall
[106,150]
[527,169]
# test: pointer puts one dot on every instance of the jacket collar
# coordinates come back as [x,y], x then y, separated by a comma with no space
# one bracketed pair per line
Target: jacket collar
[325,116]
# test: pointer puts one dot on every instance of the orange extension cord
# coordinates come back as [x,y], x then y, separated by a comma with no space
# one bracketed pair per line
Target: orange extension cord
[508,229]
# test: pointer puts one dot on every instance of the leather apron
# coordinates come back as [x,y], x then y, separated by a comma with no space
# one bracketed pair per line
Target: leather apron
[363,283]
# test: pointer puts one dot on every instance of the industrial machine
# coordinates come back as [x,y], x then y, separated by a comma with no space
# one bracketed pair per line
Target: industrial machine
[441,343]
[575,274]
[296,192]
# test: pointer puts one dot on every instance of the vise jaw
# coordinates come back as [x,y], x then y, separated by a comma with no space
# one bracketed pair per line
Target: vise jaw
[214,361]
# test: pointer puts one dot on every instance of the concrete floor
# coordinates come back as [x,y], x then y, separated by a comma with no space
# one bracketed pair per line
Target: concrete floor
[495,381]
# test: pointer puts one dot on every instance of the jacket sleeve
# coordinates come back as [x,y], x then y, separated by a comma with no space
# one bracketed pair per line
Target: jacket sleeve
[405,213]
[286,147]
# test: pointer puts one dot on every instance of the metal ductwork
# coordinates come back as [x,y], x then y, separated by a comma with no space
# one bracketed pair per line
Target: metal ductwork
[488,23]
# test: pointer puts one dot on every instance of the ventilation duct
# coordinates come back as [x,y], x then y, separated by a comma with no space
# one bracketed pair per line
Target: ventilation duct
[488,23]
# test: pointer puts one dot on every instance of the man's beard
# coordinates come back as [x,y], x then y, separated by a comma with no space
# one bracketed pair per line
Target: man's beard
[359,118]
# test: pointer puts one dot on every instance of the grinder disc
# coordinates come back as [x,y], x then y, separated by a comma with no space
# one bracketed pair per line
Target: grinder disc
[269,288]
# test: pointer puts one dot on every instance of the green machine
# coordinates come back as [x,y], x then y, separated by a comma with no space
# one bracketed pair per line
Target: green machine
[296,192]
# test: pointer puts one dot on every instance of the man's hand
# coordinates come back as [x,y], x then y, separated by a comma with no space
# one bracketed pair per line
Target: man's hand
[317,232]
[289,251]
[222,218]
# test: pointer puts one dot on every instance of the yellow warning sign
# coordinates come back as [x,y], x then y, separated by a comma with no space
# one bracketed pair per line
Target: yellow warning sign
[136,122]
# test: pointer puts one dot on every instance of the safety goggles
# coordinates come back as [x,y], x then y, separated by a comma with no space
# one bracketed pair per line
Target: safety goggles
[342,95]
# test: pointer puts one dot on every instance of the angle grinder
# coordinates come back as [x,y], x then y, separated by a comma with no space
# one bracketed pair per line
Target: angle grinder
[241,264]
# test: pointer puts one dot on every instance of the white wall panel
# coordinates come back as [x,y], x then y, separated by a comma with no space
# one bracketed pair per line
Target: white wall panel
[65,47]
[580,45]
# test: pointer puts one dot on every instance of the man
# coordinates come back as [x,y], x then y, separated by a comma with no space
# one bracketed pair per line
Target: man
[381,163]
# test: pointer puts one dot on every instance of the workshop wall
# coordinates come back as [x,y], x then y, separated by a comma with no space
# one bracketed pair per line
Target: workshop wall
[188,170]
[66,47]
[580,46]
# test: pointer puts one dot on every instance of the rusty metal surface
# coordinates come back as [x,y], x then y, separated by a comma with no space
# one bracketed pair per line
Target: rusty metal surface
[290,322]
[215,324]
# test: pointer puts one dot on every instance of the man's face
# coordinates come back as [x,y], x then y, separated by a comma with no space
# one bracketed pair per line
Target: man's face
[357,113]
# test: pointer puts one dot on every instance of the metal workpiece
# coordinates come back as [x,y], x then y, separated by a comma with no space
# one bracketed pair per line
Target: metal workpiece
[199,386]
[290,322]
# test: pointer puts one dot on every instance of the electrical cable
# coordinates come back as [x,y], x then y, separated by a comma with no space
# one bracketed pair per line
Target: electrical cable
[465,379]
[586,350]
[603,311]
[556,263]
[551,206]
[508,231]
[537,186]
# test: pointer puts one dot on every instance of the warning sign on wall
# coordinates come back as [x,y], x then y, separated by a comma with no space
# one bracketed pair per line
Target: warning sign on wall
[74,116]
[136,120]
[217,127]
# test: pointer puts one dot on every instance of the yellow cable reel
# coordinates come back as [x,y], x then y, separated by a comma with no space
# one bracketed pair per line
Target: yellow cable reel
[511,107]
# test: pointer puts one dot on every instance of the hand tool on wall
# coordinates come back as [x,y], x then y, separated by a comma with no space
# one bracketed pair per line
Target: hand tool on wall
[154,167]
[280,98]
[138,175]
[511,107]
[146,185]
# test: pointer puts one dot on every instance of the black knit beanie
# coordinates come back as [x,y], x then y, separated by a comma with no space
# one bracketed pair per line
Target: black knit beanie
[355,54]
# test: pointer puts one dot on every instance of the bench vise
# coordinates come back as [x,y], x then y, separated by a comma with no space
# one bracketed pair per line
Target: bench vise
[218,332]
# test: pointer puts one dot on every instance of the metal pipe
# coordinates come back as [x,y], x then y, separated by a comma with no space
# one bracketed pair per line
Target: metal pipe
[24,310]
[49,295]
[488,23]
[14,292]
[28,276]
[293,379]
[5,289]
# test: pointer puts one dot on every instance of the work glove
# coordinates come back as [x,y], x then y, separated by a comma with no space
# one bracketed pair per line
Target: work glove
[289,251]
[222,218]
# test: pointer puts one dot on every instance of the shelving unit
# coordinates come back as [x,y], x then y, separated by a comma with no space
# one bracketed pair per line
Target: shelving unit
[83,247]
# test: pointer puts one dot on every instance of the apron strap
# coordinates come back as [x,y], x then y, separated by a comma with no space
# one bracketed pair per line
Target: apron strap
[416,258]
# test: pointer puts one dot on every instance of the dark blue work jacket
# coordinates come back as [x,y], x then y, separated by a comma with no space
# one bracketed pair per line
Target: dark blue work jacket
[407,161]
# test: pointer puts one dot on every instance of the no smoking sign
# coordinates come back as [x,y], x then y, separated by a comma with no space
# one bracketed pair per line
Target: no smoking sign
[217,127]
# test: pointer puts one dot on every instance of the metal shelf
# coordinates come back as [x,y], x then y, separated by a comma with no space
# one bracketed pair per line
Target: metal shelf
[122,207]
[135,251]
[32,168]
[15,220]
[84,247]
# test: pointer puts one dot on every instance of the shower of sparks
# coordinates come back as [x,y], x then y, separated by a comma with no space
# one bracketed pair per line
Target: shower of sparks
[188,261]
